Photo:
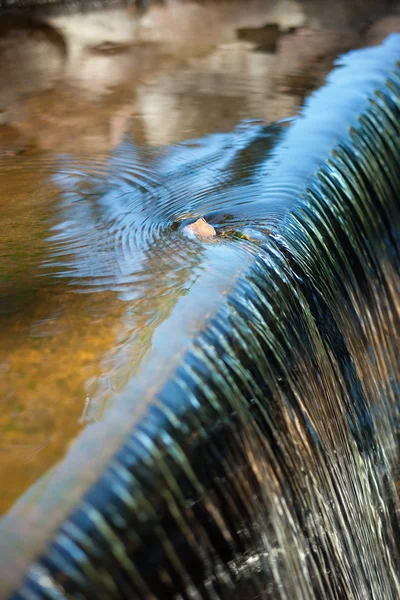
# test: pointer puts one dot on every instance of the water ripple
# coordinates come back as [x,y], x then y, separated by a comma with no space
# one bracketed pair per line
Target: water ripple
[115,218]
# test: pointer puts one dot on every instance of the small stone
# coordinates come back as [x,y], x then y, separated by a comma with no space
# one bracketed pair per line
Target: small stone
[200,228]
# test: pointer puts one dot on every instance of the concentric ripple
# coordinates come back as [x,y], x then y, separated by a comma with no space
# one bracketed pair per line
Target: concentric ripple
[113,220]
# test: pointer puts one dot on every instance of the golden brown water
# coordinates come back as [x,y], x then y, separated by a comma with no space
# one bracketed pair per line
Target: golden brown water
[100,288]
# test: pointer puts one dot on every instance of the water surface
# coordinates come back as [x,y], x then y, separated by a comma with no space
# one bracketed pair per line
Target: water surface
[109,143]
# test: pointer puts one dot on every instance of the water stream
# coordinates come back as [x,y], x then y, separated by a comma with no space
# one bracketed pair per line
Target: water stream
[248,383]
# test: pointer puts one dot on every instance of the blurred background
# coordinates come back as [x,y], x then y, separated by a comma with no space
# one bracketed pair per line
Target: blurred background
[167,70]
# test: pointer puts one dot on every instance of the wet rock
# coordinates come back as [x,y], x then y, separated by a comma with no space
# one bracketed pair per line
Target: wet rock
[200,228]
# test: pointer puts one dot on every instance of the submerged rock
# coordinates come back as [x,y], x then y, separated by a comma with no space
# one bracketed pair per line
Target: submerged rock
[200,228]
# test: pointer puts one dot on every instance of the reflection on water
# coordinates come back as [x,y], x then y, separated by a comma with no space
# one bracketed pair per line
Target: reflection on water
[101,290]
